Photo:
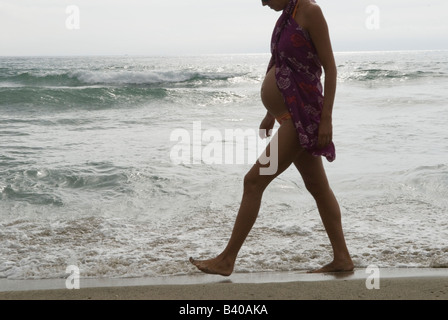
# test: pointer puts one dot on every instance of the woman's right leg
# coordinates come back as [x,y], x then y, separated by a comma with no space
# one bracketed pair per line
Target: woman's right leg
[287,150]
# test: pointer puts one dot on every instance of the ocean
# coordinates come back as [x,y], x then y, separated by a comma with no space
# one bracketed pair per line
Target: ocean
[106,164]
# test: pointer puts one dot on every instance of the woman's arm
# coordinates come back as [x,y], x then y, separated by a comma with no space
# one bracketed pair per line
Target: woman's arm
[267,124]
[315,23]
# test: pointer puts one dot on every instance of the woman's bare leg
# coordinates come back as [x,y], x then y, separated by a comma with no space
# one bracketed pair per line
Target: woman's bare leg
[254,185]
[313,173]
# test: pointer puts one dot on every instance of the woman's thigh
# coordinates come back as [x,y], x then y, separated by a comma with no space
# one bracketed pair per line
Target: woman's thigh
[283,149]
[312,171]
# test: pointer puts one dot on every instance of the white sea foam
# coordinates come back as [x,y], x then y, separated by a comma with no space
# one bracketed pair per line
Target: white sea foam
[132,77]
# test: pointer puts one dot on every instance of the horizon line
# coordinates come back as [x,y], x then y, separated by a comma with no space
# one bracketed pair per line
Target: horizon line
[208,54]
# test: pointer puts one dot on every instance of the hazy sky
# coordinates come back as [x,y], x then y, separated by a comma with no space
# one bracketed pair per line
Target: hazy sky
[179,27]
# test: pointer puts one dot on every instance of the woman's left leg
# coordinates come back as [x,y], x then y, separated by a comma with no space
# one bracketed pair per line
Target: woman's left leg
[313,173]
[286,150]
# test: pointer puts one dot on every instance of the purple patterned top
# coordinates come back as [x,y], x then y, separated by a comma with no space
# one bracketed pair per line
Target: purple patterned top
[298,71]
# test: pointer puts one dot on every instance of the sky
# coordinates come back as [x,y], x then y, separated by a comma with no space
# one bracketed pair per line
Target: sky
[180,27]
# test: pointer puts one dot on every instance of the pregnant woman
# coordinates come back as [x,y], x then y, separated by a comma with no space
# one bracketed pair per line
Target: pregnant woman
[293,95]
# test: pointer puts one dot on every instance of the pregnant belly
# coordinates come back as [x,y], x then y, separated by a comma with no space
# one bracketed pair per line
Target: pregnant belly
[271,96]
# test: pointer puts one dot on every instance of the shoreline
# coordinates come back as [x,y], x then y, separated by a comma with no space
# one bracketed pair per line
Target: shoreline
[394,284]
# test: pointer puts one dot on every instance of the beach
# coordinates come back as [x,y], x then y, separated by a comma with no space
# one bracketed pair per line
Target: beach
[394,284]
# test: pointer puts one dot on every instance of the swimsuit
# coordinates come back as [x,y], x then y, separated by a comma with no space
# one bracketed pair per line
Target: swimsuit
[297,72]
[283,117]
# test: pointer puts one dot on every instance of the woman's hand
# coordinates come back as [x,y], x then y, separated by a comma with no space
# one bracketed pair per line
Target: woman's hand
[267,124]
[325,132]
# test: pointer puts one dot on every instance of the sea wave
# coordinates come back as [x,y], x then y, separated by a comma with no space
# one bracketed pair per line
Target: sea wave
[54,186]
[429,180]
[385,75]
[86,96]
[62,89]
[74,78]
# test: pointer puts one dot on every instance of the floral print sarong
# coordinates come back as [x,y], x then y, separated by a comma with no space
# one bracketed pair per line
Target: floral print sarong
[298,72]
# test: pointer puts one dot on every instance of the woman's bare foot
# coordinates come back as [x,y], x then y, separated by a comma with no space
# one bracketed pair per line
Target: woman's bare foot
[345,266]
[217,265]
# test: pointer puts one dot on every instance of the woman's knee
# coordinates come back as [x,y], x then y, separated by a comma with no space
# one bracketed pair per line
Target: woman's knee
[313,174]
[317,188]
[253,182]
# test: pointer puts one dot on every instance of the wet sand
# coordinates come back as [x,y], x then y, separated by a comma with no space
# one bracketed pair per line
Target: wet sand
[392,284]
